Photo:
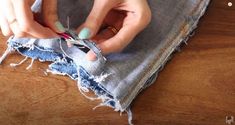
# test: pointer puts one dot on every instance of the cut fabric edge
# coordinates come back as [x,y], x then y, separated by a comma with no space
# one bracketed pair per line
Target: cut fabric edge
[143,84]
[85,81]
[108,100]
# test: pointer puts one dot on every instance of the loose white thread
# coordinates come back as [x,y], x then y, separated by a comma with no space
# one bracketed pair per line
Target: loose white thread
[100,105]
[30,44]
[120,113]
[7,52]
[17,64]
[63,49]
[101,78]
[55,72]
[45,73]
[84,90]
[129,113]
[30,65]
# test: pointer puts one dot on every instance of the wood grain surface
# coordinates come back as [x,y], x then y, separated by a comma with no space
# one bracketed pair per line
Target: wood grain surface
[197,87]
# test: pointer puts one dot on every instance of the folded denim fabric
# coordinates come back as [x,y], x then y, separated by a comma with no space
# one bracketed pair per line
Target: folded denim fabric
[117,78]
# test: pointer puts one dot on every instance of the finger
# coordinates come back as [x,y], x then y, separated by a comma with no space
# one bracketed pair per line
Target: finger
[101,37]
[133,24]
[26,23]
[6,31]
[95,18]
[18,33]
[91,56]
[115,18]
[120,40]
[11,18]
[8,10]
[50,16]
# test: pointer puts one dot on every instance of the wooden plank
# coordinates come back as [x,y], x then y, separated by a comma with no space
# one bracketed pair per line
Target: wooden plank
[196,87]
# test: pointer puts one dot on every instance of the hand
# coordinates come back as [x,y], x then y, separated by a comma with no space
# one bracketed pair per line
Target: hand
[16,17]
[113,24]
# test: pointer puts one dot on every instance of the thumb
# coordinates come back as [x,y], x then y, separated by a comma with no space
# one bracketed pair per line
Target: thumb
[50,17]
[95,18]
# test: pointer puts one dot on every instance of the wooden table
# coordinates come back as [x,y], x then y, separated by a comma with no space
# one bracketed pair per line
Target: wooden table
[196,87]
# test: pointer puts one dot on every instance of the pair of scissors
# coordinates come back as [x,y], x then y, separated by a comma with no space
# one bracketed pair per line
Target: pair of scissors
[71,37]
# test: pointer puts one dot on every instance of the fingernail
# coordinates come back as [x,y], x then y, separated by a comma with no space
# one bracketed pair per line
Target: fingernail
[84,33]
[91,56]
[59,26]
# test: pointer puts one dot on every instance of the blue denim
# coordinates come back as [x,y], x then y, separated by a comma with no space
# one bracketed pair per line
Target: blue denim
[117,78]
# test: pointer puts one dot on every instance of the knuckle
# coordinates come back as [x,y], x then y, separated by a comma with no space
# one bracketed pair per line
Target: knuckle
[93,20]
[148,17]
[48,21]
[145,18]
[119,49]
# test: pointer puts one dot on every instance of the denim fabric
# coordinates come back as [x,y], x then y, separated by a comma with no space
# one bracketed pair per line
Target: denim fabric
[119,77]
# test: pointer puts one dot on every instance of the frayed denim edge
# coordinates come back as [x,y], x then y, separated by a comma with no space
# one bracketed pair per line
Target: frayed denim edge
[82,84]
[106,99]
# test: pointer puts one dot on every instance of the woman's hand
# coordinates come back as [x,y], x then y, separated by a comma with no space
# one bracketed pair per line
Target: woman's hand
[16,17]
[113,24]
